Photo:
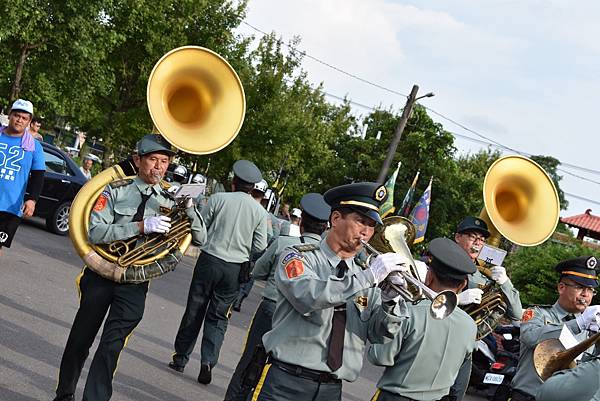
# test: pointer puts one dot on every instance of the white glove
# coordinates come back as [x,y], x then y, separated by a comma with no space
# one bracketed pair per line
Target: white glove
[389,293]
[470,296]
[384,264]
[499,274]
[157,224]
[590,318]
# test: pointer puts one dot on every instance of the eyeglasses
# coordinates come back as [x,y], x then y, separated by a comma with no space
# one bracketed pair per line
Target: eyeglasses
[475,238]
[580,288]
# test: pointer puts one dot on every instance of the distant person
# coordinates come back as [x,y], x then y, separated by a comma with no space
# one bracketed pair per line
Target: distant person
[86,167]
[34,128]
[22,171]
[284,213]
[295,223]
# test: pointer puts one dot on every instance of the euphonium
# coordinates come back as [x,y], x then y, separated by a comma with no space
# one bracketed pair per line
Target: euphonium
[521,204]
[550,355]
[393,236]
[196,102]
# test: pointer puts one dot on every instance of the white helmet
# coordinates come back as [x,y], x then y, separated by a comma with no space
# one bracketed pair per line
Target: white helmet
[198,179]
[261,186]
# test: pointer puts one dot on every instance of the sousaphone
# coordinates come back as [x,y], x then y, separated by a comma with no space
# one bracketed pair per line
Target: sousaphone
[197,103]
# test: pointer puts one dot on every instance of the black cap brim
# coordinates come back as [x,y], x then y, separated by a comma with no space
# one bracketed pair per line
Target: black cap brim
[372,214]
[586,282]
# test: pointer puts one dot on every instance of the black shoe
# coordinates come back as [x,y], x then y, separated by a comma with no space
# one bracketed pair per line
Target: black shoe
[68,397]
[176,367]
[205,376]
[237,305]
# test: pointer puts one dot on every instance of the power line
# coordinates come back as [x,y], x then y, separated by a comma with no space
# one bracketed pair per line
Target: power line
[490,141]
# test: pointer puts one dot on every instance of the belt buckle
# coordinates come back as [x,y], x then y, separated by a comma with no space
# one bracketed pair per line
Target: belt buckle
[324,377]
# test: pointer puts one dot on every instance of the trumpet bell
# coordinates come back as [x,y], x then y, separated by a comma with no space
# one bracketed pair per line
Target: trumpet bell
[443,304]
[521,202]
[196,100]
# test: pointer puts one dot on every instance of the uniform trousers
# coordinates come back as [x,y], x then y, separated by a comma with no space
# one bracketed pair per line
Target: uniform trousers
[213,290]
[459,388]
[261,323]
[125,305]
[383,395]
[278,385]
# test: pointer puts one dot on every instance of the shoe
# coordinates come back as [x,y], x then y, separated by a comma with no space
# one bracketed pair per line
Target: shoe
[176,367]
[205,375]
[237,305]
[68,397]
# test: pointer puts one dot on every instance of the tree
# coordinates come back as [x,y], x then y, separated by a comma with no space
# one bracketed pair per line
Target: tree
[550,165]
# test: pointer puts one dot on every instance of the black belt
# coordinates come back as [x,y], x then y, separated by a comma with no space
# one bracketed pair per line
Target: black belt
[398,397]
[268,299]
[518,395]
[305,373]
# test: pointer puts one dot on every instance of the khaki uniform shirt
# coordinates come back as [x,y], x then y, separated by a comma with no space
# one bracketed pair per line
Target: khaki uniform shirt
[111,218]
[237,226]
[265,265]
[578,384]
[514,310]
[308,292]
[540,323]
[424,358]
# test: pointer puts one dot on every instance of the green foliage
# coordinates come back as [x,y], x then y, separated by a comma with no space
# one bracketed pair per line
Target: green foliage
[550,164]
[532,270]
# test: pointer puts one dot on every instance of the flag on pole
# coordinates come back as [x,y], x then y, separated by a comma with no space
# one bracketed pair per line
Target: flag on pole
[388,206]
[405,208]
[420,214]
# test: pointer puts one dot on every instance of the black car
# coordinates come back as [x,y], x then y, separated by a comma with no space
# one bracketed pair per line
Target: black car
[62,181]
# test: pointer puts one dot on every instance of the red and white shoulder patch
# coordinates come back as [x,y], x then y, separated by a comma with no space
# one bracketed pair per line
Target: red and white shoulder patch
[527,315]
[101,201]
[293,265]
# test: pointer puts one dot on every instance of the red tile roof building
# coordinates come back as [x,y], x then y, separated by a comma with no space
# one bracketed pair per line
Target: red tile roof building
[587,223]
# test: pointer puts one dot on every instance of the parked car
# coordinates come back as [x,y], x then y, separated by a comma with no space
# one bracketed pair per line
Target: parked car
[62,181]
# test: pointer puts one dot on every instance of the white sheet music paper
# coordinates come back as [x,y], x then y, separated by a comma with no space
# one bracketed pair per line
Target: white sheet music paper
[568,340]
[492,255]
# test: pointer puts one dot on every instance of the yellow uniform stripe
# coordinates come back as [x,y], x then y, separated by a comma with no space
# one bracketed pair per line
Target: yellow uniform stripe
[78,282]
[376,395]
[361,204]
[261,382]
[248,332]
[572,273]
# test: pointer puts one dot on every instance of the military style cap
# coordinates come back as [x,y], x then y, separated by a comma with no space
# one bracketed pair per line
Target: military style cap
[582,270]
[154,143]
[471,223]
[247,171]
[449,259]
[363,197]
[314,205]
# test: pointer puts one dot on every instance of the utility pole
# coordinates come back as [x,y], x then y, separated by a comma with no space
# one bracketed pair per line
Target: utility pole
[410,101]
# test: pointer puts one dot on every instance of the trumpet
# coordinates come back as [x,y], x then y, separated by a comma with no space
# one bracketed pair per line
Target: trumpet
[442,303]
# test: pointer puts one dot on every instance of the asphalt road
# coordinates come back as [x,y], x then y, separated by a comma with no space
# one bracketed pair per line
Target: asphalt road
[38,300]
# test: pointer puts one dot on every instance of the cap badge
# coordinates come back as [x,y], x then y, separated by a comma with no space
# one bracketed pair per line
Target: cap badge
[591,262]
[380,193]
[477,223]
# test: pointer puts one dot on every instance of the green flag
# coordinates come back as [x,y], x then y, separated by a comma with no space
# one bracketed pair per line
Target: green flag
[388,206]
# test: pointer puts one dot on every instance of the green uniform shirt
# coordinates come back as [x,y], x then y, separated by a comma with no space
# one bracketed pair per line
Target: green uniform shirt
[111,218]
[578,384]
[265,265]
[423,360]
[546,322]
[514,310]
[308,292]
[237,226]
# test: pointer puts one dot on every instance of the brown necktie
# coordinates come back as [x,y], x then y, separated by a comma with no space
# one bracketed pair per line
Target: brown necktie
[338,329]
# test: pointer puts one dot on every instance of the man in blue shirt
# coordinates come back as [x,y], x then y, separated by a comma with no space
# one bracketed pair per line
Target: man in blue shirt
[22,168]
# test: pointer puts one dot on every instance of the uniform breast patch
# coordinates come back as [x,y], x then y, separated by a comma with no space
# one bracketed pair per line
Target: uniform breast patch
[101,201]
[294,268]
[527,315]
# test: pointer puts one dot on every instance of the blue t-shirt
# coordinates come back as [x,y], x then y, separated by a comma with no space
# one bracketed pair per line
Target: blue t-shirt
[15,165]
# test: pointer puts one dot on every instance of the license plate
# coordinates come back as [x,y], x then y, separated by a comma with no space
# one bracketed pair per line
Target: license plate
[493,378]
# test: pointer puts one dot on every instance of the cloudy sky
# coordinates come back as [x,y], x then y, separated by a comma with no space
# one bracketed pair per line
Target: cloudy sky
[524,74]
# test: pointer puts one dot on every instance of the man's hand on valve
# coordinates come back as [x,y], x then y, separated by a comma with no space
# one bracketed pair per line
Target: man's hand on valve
[382,265]
[470,296]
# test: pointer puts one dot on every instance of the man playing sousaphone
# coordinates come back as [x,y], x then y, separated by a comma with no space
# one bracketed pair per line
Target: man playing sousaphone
[576,287]
[125,209]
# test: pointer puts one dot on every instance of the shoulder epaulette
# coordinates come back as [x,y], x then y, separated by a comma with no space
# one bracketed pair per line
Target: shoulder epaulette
[120,183]
[306,247]
[539,306]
